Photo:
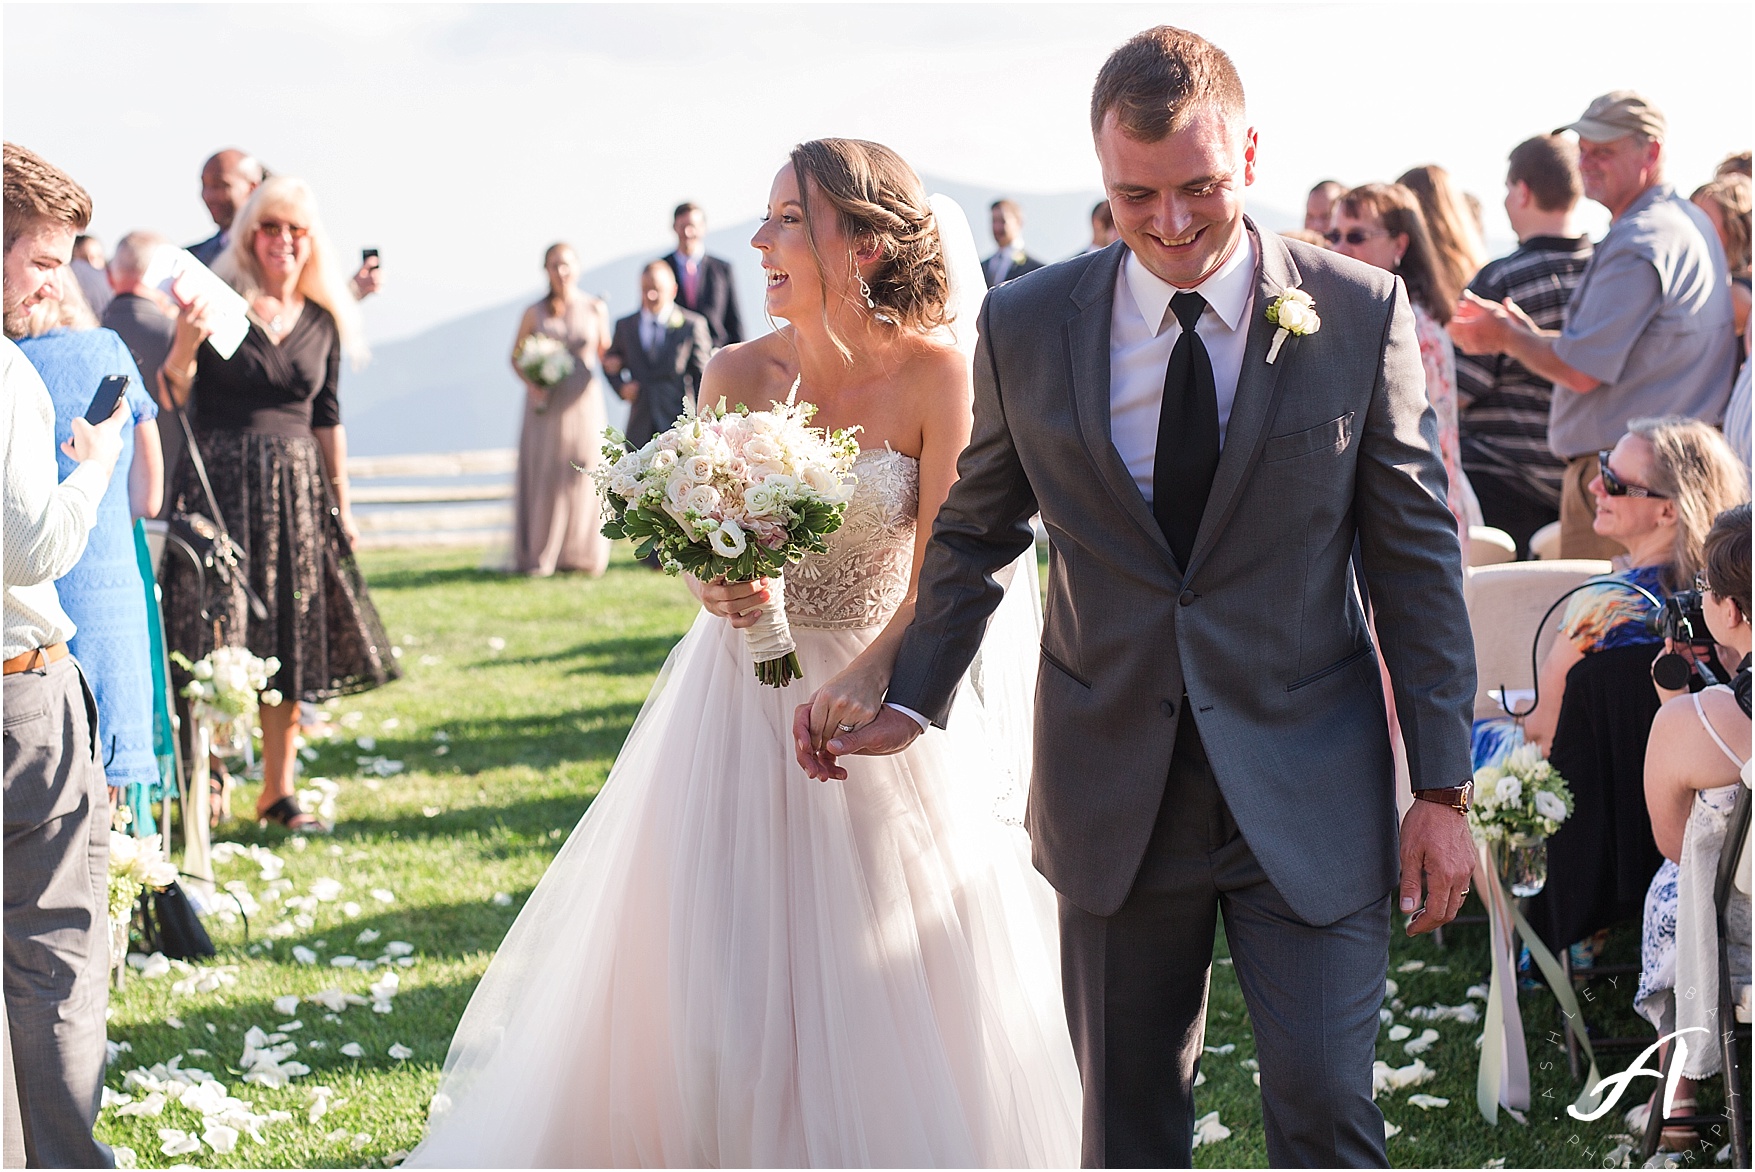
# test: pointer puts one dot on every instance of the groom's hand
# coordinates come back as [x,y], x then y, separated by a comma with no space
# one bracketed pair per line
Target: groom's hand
[890,732]
[1437,858]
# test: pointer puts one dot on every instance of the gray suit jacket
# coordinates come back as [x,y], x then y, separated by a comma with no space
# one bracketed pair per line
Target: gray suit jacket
[1263,634]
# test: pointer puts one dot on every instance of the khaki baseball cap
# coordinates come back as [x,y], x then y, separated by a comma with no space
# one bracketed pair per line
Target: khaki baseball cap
[1617,114]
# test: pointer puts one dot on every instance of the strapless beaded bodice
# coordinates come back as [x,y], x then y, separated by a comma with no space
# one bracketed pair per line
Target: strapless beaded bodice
[862,577]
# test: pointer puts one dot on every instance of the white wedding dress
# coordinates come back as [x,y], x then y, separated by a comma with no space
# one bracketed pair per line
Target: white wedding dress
[729,964]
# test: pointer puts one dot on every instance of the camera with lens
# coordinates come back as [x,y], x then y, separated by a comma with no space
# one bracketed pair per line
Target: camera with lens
[1679,619]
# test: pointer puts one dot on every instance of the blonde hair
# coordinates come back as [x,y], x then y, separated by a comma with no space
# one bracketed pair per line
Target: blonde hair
[321,281]
[1456,241]
[70,311]
[1696,470]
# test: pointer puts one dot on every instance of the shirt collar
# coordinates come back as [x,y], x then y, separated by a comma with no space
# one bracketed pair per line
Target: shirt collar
[1227,291]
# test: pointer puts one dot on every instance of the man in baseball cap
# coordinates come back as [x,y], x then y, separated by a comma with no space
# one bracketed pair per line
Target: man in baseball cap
[1649,330]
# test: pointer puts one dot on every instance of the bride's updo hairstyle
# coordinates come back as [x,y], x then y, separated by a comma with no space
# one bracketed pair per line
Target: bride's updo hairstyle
[877,197]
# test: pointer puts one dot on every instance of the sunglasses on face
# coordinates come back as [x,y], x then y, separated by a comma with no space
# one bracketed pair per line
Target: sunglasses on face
[1614,486]
[1353,236]
[275,228]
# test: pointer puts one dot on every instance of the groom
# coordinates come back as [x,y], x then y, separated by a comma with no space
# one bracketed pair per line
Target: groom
[1210,723]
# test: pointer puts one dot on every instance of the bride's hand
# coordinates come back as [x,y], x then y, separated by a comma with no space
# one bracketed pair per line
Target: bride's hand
[850,701]
[739,603]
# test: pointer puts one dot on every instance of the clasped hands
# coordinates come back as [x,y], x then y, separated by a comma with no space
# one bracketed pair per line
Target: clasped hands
[1479,326]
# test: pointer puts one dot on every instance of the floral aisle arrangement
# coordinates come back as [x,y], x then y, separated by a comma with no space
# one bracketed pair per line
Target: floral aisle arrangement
[735,495]
[545,361]
[225,688]
[1518,802]
[136,864]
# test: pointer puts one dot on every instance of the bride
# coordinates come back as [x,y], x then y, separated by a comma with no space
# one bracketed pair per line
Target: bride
[729,964]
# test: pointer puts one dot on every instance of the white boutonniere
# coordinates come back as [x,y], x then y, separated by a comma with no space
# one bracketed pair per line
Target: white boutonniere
[1294,311]
[676,320]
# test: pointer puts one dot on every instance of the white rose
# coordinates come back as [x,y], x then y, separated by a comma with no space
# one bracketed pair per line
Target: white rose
[626,487]
[760,501]
[697,469]
[759,472]
[761,449]
[1297,317]
[203,670]
[702,499]
[1549,805]
[1509,791]
[123,850]
[663,460]
[272,697]
[727,540]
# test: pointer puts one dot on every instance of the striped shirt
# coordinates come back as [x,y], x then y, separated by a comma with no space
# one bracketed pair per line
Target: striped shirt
[1504,406]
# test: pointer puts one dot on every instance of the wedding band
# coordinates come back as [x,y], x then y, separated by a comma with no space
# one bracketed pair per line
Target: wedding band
[847,727]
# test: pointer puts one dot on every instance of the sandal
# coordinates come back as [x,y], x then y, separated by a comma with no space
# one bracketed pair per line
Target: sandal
[286,812]
[1678,1137]
[219,797]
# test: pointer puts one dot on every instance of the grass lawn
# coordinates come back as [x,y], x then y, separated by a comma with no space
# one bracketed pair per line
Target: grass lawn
[516,697]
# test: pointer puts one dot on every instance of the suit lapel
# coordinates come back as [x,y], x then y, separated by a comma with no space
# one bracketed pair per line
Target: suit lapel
[1087,331]
[1258,393]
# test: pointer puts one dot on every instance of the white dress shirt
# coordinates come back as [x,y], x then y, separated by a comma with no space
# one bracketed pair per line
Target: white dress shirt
[46,523]
[1143,331]
[651,331]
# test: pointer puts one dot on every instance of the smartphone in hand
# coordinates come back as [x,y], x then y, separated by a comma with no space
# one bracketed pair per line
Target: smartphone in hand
[109,393]
[368,255]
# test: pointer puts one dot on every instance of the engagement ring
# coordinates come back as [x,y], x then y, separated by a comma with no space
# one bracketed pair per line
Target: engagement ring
[847,727]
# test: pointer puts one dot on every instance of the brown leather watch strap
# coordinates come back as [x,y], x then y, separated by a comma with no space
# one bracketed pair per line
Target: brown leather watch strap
[1456,797]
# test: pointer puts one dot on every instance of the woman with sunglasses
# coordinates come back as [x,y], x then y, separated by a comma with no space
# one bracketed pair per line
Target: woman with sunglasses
[1382,225]
[268,425]
[1657,495]
[1699,744]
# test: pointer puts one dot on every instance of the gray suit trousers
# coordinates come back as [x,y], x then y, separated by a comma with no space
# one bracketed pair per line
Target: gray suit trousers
[1136,995]
[57,919]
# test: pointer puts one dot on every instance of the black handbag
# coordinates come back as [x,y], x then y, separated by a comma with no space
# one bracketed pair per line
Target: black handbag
[203,538]
[168,924]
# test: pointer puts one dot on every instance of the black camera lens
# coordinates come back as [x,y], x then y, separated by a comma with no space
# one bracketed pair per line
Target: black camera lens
[1671,672]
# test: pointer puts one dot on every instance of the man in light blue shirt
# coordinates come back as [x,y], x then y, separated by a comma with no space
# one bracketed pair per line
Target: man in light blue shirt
[1648,330]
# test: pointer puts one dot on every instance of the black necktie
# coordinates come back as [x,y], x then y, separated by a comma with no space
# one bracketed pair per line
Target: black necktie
[1188,434]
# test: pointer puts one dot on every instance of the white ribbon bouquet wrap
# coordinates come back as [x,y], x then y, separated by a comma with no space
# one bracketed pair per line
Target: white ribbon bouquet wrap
[735,495]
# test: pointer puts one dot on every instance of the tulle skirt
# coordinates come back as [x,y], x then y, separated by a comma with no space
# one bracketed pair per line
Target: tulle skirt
[729,964]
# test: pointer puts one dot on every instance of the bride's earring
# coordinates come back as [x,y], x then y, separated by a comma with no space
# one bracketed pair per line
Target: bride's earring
[865,292]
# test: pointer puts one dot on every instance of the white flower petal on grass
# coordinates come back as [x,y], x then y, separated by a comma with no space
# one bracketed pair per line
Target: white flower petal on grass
[288,1005]
[383,1007]
[317,1105]
[1422,1043]
[399,948]
[1398,1033]
[400,1052]
[113,1098]
[1227,1048]
[153,1104]
[1427,1102]
[177,1142]
[391,1159]
[383,896]
[343,961]
[1390,1130]
[354,1050]
[1499,1162]
[1468,1013]
[1385,1077]
[367,936]
[351,909]
[361,1140]
[338,1134]
[1200,1078]
[501,899]
[220,1138]
[1410,966]
[386,987]
[1477,992]
[326,888]
[1208,1129]
[495,643]
[304,955]
[367,744]
[125,1157]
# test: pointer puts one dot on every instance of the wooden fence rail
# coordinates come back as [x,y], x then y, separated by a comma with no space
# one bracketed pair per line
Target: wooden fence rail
[444,498]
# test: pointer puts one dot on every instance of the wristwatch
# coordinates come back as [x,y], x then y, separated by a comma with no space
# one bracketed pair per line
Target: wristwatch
[1456,797]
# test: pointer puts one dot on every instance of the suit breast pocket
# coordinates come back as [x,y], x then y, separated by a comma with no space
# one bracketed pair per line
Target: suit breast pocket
[1331,437]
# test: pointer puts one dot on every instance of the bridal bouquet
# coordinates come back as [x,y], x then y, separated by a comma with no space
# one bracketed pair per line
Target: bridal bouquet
[226,685]
[736,495]
[1519,799]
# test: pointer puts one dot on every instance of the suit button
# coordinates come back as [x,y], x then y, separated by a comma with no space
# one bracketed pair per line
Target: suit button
[1167,707]
[1187,599]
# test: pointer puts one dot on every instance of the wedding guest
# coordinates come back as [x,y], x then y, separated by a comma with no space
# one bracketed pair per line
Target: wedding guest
[1737,410]
[1382,225]
[1502,406]
[146,321]
[1010,259]
[1726,203]
[1451,223]
[56,813]
[102,593]
[556,524]
[704,283]
[88,268]
[1319,205]
[657,355]
[268,421]
[1693,762]
[1656,495]
[1103,232]
[1648,330]
[227,179]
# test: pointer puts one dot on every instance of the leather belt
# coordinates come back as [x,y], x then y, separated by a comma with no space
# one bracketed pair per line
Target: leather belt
[40,657]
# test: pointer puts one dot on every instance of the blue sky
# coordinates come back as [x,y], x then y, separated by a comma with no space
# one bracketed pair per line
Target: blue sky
[462,139]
